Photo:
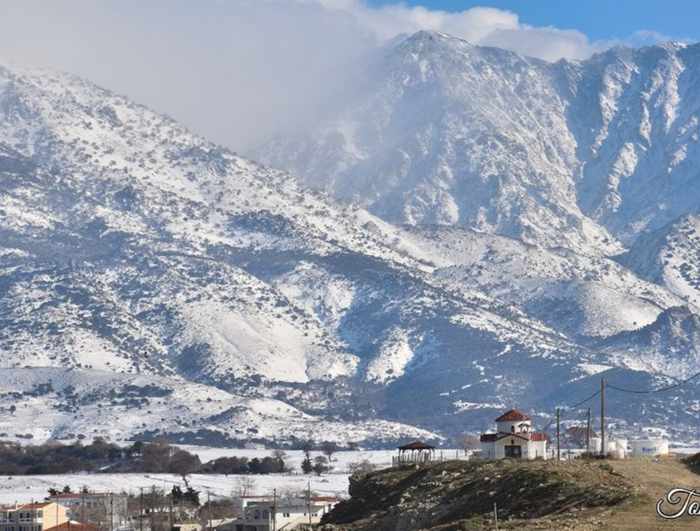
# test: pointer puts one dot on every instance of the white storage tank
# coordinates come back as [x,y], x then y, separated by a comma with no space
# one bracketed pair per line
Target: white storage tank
[621,448]
[649,447]
[610,445]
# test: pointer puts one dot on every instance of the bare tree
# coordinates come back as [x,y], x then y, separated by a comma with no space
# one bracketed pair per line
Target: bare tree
[245,486]
[281,457]
[320,465]
[329,448]
[183,463]
[361,468]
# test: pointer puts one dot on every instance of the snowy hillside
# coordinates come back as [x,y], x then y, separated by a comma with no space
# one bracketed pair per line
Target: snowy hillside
[586,155]
[154,283]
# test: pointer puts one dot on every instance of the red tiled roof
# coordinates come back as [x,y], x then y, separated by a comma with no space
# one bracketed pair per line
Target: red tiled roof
[73,526]
[324,499]
[538,436]
[34,505]
[512,415]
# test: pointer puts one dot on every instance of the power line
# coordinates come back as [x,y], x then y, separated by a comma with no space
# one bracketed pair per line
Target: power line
[571,407]
[650,391]
[584,400]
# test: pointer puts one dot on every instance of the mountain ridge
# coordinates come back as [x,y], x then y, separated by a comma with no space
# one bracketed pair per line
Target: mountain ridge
[134,248]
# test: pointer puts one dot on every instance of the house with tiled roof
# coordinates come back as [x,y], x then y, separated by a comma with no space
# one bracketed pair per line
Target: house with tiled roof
[95,507]
[32,517]
[513,438]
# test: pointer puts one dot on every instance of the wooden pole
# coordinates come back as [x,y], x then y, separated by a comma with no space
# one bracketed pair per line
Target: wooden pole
[274,509]
[558,445]
[602,417]
[208,510]
[588,432]
[495,515]
[82,505]
[308,501]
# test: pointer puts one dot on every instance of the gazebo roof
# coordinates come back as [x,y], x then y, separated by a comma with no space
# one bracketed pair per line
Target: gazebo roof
[416,445]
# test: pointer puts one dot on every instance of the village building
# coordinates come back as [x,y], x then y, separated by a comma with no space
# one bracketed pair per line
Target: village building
[269,516]
[514,438]
[33,517]
[97,508]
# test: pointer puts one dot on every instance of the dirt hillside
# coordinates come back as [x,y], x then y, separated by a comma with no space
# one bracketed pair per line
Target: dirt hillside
[460,496]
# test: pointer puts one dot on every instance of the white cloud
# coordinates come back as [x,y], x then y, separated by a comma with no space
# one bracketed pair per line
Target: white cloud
[240,71]
[478,25]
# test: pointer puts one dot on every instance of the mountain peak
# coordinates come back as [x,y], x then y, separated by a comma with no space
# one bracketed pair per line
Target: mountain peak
[427,39]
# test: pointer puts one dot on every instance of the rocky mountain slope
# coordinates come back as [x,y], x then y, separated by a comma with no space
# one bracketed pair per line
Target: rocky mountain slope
[567,190]
[586,155]
[154,283]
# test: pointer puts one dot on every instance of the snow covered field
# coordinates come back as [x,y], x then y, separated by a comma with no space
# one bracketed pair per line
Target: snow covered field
[341,460]
[28,488]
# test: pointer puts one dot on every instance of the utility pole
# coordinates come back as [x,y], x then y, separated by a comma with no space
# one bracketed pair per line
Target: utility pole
[209,510]
[558,445]
[141,509]
[274,509]
[588,432]
[308,501]
[82,504]
[111,512]
[602,417]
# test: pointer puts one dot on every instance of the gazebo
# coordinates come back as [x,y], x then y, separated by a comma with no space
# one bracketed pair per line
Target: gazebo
[416,452]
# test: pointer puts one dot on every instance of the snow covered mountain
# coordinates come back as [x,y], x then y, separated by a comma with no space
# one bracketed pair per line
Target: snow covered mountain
[154,283]
[586,155]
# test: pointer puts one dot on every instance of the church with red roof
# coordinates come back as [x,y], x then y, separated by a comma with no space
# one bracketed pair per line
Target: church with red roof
[514,438]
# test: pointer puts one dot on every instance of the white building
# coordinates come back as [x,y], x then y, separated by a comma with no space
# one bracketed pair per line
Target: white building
[95,507]
[265,515]
[514,438]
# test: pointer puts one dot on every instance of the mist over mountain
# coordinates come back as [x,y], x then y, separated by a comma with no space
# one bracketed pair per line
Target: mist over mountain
[517,228]
[586,155]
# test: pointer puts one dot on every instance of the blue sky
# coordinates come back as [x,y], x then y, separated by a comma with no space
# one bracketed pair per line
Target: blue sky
[599,19]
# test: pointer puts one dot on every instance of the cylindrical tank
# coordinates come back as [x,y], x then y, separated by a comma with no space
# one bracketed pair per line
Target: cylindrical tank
[649,447]
[621,450]
[595,445]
